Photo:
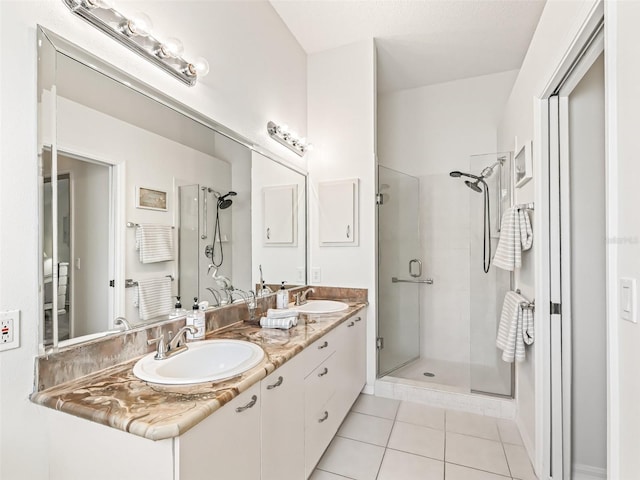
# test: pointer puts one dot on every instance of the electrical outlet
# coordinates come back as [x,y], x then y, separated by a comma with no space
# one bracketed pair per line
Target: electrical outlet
[9,330]
[316,275]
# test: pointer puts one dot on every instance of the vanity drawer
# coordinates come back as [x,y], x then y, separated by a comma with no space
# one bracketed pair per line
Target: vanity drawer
[318,352]
[320,426]
[321,384]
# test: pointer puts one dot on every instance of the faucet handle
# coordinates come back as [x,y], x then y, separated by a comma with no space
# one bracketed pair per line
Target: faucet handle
[161,350]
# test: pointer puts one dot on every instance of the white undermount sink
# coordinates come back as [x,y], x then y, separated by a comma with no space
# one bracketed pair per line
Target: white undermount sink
[321,306]
[204,361]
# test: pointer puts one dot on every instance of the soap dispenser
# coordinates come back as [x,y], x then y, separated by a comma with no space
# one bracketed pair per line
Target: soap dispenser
[178,311]
[197,319]
[282,298]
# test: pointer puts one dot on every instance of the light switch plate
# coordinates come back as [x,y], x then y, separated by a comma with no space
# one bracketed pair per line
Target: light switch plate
[627,304]
[316,275]
[9,330]
[300,277]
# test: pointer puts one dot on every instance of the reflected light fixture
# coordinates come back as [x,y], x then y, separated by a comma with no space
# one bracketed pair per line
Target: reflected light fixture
[289,139]
[134,32]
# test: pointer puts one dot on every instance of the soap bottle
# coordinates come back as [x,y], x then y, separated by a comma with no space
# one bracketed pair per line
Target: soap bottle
[178,311]
[282,298]
[197,319]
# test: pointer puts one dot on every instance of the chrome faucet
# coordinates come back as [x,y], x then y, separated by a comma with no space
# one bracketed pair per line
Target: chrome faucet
[176,344]
[122,321]
[301,297]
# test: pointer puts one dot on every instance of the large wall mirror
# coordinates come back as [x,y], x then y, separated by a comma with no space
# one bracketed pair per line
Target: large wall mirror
[144,199]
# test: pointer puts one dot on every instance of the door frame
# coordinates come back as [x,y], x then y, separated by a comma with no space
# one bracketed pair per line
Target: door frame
[552,379]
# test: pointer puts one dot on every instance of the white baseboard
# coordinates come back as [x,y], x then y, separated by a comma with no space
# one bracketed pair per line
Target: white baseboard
[587,472]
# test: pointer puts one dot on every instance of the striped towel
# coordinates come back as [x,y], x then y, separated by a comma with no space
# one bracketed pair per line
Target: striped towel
[154,297]
[516,328]
[283,323]
[154,242]
[516,235]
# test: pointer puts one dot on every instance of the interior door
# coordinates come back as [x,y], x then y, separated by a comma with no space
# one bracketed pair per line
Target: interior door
[399,259]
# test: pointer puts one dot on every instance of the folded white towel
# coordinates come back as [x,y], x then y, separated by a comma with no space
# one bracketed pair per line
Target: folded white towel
[283,323]
[281,313]
[154,242]
[516,328]
[516,236]
[154,297]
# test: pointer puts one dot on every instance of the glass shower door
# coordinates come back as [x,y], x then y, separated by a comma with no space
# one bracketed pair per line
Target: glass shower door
[398,256]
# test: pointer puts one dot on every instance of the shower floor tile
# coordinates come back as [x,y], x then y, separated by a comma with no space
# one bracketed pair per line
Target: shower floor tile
[453,375]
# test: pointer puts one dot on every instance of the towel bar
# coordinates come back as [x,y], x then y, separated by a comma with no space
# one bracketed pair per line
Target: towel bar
[526,206]
[129,282]
[134,225]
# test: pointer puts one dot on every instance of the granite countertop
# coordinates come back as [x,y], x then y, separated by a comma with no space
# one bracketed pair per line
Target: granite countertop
[116,398]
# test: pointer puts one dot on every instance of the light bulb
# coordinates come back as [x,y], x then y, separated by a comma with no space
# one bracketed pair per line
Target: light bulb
[284,128]
[199,67]
[302,141]
[139,24]
[171,47]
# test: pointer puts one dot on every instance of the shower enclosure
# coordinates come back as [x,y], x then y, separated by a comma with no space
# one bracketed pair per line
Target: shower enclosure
[441,333]
[204,241]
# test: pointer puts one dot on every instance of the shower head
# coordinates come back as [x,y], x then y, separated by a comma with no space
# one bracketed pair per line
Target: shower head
[455,174]
[474,185]
[224,202]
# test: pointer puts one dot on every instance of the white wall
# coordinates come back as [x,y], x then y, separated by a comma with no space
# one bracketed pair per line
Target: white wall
[428,132]
[623,77]
[341,122]
[558,26]
[247,86]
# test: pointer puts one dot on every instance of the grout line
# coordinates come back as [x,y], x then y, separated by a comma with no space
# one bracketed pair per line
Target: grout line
[481,470]
[332,473]
[384,454]
[361,441]
[416,454]
[506,459]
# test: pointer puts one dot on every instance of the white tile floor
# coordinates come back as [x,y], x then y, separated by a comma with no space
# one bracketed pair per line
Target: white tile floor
[383,439]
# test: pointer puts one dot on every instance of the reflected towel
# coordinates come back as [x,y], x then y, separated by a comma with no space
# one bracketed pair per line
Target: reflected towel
[154,297]
[154,242]
[516,235]
[283,323]
[516,328]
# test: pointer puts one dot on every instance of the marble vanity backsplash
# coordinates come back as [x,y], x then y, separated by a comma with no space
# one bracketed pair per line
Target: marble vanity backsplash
[77,361]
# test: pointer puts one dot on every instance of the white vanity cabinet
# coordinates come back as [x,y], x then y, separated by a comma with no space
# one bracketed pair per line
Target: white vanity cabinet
[276,430]
[281,421]
[224,445]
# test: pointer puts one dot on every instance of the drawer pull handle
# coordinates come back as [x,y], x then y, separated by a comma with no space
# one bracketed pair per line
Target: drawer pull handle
[324,417]
[253,401]
[324,372]
[275,385]
[351,324]
[324,345]
[358,319]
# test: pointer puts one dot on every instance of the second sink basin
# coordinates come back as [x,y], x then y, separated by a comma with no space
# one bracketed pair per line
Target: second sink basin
[205,361]
[321,306]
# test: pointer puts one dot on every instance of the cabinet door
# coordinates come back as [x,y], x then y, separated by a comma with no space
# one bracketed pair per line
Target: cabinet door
[283,423]
[225,445]
[280,215]
[338,204]
[352,354]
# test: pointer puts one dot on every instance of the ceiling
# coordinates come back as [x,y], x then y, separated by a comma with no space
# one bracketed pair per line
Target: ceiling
[419,42]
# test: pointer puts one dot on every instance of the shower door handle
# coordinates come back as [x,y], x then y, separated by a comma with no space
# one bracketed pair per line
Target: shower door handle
[411,262]
[428,281]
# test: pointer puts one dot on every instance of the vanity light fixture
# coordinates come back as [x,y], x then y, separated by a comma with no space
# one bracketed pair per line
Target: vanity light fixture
[289,139]
[134,32]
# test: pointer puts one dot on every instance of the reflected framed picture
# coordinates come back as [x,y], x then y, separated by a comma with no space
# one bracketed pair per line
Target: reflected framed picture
[523,165]
[151,199]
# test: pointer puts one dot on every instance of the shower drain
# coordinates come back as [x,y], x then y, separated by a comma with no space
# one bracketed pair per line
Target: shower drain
[429,374]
